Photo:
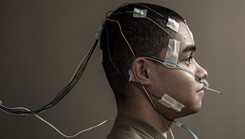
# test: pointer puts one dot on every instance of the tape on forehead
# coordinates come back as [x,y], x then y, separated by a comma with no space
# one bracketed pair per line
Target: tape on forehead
[172,53]
[189,31]
[172,24]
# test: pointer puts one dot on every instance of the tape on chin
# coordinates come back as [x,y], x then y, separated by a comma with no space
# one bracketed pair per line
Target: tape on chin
[171,103]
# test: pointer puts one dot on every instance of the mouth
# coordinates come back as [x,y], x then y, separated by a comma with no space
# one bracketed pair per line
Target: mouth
[201,89]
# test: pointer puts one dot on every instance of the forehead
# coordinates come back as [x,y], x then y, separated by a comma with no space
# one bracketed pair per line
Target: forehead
[184,36]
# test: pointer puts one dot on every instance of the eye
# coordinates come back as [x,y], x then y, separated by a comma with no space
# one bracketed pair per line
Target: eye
[188,60]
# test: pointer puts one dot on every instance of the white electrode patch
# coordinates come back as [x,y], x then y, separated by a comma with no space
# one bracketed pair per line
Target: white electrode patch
[171,103]
[139,13]
[131,76]
[189,31]
[172,54]
[172,24]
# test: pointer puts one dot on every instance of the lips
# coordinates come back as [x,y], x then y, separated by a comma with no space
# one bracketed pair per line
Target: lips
[200,88]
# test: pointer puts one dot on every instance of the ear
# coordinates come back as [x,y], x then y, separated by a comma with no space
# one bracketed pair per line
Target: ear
[141,68]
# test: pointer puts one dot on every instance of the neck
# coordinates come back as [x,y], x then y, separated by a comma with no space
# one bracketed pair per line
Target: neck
[141,109]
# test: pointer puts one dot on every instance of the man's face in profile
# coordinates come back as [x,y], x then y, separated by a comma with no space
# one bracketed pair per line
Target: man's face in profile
[179,84]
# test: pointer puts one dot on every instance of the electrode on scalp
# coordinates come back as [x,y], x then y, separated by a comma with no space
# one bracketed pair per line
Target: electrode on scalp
[172,24]
[139,13]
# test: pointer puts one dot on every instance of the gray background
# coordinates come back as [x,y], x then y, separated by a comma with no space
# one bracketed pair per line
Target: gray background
[42,42]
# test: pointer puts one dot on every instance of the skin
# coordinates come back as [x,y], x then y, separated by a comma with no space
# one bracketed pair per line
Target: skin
[159,79]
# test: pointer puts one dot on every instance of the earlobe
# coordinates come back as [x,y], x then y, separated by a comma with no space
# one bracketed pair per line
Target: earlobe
[140,68]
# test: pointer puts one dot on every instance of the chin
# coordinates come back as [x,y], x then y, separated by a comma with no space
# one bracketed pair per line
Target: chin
[196,108]
[191,110]
[186,111]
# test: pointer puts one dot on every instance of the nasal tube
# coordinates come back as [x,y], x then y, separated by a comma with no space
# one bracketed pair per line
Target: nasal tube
[206,86]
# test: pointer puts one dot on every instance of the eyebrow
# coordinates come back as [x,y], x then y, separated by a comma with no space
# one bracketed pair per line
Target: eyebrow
[189,48]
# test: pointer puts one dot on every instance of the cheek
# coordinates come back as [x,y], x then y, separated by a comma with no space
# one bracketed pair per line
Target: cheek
[186,93]
[175,82]
[181,81]
[182,87]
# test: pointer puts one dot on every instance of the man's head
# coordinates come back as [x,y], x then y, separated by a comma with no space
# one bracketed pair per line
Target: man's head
[126,40]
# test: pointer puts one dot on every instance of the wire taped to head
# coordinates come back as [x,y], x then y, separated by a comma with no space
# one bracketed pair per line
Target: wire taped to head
[153,21]
[142,87]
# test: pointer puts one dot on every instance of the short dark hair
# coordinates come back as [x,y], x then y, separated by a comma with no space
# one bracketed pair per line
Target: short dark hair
[145,38]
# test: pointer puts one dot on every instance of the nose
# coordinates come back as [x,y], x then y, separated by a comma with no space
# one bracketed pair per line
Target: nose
[201,71]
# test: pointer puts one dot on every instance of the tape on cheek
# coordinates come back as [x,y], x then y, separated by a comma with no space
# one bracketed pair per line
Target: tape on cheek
[172,52]
[171,103]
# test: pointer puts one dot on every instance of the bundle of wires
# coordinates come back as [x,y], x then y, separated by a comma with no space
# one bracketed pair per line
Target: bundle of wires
[75,78]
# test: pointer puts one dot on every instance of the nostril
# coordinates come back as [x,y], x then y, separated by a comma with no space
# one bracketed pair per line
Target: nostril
[199,78]
[204,82]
